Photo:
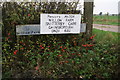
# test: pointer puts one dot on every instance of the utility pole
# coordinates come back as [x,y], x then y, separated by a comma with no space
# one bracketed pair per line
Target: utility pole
[88,16]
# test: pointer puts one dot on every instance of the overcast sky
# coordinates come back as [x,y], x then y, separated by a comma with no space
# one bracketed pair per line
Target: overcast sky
[110,6]
[105,6]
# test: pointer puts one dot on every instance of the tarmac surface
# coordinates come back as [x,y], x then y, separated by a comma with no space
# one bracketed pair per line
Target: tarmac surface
[107,27]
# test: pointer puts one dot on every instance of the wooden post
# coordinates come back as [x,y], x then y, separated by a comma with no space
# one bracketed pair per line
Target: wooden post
[88,16]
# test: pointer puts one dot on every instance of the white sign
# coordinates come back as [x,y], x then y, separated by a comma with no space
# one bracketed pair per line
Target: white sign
[35,29]
[83,27]
[27,29]
[60,23]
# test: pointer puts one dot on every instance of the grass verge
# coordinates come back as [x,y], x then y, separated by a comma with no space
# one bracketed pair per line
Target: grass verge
[103,36]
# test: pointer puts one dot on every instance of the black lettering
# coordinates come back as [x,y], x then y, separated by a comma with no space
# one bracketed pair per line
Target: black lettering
[53,16]
[69,19]
[47,23]
[55,31]
[72,23]
[50,27]
[66,30]
[31,32]
[50,20]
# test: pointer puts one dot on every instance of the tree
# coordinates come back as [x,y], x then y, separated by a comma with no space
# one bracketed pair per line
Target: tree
[107,14]
[100,13]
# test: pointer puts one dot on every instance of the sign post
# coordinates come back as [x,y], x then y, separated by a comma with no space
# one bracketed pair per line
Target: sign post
[88,16]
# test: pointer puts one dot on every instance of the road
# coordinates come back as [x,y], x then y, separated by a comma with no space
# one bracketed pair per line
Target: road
[107,27]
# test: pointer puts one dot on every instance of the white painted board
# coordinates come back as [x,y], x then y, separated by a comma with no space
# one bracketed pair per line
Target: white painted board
[83,27]
[27,29]
[60,23]
[35,29]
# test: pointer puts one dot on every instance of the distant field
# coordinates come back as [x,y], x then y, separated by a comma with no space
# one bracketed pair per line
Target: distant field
[108,20]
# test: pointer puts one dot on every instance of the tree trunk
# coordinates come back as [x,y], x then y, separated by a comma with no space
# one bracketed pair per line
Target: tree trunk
[88,17]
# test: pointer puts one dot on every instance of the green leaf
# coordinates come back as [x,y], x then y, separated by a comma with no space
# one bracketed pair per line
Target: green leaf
[5,45]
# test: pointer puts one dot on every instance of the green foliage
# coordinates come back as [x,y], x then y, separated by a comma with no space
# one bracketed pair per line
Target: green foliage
[62,59]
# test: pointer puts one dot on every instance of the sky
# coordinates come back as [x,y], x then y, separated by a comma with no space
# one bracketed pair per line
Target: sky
[104,6]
